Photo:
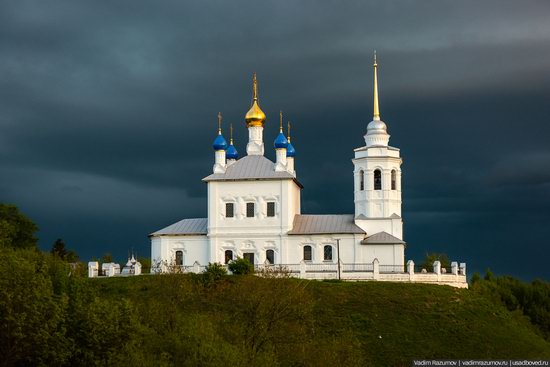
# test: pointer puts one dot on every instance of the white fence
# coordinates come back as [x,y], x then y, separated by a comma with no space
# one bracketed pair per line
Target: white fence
[454,276]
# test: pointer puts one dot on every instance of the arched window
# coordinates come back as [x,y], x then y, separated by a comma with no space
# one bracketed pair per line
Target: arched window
[228,256]
[361,180]
[393,179]
[327,253]
[377,180]
[179,258]
[307,253]
[270,256]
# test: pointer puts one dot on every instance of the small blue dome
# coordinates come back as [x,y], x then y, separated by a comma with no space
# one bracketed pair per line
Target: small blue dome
[219,143]
[231,152]
[290,151]
[280,141]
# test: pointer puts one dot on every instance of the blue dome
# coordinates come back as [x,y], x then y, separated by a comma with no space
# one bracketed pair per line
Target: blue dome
[280,141]
[290,152]
[231,152]
[219,143]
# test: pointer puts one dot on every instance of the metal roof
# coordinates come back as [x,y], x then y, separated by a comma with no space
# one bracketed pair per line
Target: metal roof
[320,224]
[381,237]
[251,167]
[185,227]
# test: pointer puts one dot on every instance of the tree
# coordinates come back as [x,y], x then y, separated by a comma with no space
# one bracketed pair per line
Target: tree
[16,230]
[107,258]
[59,250]
[241,266]
[433,256]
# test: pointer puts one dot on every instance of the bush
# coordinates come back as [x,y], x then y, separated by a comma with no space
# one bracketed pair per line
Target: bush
[241,266]
[214,271]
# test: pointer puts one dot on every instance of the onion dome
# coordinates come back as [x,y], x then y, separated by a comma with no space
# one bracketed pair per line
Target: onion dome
[219,142]
[280,141]
[290,151]
[255,116]
[231,152]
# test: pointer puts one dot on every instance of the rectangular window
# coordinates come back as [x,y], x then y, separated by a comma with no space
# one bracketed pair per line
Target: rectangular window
[270,209]
[250,210]
[307,253]
[229,210]
[270,256]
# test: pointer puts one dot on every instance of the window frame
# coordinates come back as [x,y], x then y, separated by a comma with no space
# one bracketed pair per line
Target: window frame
[274,209]
[226,259]
[331,253]
[232,206]
[310,248]
[267,252]
[179,253]
[253,209]
[361,180]
[377,180]
[393,179]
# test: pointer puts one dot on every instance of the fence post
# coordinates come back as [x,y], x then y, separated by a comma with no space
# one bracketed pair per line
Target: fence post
[93,268]
[196,267]
[302,269]
[454,268]
[376,269]
[437,269]
[410,269]
[463,268]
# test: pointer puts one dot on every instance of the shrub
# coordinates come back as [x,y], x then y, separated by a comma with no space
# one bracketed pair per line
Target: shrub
[214,271]
[241,266]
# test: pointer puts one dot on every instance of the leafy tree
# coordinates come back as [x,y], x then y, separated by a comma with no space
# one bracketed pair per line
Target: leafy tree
[16,230]
[145,264]
[433,256]
[214,271]
[241,266]
[58,249]
[31,314]
[107,258]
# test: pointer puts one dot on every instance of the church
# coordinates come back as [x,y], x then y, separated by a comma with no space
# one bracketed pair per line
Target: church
[254,210]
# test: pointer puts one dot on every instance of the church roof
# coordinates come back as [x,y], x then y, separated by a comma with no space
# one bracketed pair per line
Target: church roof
[251,167]
[185,227]
[321,224]
[381,237]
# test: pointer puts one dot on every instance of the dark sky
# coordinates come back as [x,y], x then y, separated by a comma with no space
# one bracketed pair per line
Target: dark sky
[108,111]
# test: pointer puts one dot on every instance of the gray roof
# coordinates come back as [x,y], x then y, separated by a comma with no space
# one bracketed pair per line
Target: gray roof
[185,227]
[251,167]
[320,224]
[381,237]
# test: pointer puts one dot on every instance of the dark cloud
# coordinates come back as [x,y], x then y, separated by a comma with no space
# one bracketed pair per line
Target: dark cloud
[108,110]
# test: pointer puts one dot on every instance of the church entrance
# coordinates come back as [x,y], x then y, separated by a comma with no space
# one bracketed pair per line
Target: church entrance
[249,256]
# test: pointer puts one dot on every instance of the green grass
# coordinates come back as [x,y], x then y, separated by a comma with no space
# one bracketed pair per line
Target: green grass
[351,323]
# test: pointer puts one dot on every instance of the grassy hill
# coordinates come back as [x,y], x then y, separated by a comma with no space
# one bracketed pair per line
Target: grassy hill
[184,320]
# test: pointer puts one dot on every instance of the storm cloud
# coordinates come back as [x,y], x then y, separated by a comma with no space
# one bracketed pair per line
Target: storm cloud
[108,110]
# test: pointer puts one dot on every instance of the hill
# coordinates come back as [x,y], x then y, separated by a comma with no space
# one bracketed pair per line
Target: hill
[249,320]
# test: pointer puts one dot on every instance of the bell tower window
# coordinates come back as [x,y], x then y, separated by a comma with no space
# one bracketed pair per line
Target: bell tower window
[361,180]
[393,180]
[377,180]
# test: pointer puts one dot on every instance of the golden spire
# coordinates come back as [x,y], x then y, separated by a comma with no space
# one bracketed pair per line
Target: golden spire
[219,123]
[255,116]
[231,134]
[288,129]
[280,121]
[376,115]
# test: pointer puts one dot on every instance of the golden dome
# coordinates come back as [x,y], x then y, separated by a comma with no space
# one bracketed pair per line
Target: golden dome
[255,116]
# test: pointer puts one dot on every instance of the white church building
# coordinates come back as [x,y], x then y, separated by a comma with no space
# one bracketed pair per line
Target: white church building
[254,213]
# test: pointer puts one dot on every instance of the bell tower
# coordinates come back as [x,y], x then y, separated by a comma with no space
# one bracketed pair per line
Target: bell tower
[377,177]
